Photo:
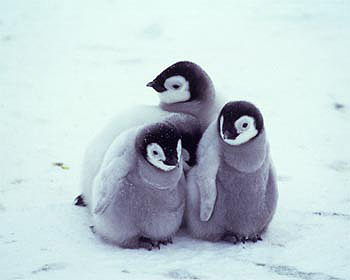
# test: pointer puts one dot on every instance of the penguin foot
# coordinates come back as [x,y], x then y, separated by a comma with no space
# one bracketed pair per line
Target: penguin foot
[93,230]
[255,238]
[236,238]
[148,243]
[79,201]
[230,237]
[166,242]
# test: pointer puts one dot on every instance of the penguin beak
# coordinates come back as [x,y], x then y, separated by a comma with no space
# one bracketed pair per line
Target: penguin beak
[150,84]
[172,162]
[230,135]
[157,87]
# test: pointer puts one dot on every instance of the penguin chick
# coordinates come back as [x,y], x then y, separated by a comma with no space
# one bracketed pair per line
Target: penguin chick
[185,87]
[232,192]
[191,117]
[138,195]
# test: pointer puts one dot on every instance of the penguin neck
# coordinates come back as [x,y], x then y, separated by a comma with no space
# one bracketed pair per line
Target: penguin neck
[201,107]
[248,157]
[153,177]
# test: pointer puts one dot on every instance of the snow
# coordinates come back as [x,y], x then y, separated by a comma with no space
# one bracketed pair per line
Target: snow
[68,66]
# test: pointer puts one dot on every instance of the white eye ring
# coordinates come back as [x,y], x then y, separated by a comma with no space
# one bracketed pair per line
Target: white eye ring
[177,90]
[244,123]
[175,83]
[156,157]
[155,152]
[245,132]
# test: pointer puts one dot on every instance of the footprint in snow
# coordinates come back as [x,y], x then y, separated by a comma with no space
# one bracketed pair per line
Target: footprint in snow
[7,38]
[152,32]
[17,181]
[10,241]
[339,106]
[293,272]
[340,166]
[129,61]
[331,214]
[49,266]
[181,274]
[282,178]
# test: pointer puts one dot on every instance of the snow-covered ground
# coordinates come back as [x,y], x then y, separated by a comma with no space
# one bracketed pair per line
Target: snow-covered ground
[66,67]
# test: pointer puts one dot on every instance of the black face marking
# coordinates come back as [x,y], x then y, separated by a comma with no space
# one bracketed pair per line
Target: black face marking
[190,140]
[232,111]
[171,160]
[165,135]
[197,78]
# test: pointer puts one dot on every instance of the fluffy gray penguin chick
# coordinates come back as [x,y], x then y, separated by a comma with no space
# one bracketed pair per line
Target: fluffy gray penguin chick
[185,87]
[232,192]
[187,100]
[138,195]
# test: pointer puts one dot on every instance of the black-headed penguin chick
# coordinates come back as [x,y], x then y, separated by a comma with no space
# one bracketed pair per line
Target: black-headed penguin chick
[185,87]
[138,195]
[187,100]
[232,192]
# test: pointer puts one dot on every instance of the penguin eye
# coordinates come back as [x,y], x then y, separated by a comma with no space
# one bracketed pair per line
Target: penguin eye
[174,82]
[155,152]
[244,123]
[177,90]
[245,127]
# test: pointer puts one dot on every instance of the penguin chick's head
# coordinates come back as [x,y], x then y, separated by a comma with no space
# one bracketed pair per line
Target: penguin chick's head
[181,82]
[160,145]
[239,122]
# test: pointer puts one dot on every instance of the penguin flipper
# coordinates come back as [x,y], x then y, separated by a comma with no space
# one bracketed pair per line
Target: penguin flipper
[208,195]
[117,163]
[206,170]
[105,196]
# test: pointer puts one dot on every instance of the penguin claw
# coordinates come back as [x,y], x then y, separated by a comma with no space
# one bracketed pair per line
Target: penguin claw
[166,242]
[255,238]
[232,238]
[235,238]
[149,244]
[146,246]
